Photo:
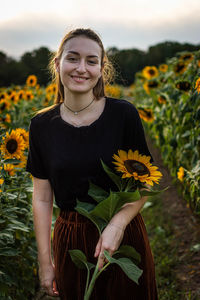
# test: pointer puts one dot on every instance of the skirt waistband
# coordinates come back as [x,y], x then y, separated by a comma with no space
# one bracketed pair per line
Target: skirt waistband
[72,217]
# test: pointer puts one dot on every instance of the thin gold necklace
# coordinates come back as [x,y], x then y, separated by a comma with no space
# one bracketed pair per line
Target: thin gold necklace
[77,111]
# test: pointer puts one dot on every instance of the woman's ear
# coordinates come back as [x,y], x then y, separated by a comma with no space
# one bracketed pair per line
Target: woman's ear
[57,64]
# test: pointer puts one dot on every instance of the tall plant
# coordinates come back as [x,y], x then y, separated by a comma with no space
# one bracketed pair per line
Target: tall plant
[137,170]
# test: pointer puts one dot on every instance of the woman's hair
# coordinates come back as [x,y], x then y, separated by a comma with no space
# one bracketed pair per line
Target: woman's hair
[108,70]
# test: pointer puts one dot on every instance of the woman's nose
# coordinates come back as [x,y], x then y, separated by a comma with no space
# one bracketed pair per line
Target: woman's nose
[81,66]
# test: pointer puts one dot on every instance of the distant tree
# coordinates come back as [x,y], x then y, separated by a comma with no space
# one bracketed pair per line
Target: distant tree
[126,62]
[36,62]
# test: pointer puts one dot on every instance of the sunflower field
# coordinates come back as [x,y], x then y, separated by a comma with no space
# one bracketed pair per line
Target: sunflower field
[18,252]
[168,101]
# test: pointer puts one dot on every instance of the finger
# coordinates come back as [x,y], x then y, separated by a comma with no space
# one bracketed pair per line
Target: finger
[55,288]
[48,288]
[98,248]
[101,260]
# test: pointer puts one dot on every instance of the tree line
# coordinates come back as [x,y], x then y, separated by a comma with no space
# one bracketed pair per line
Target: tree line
[126,62]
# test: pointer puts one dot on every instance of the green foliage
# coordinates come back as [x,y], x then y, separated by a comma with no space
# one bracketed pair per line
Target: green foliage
[176,124]
[18,256]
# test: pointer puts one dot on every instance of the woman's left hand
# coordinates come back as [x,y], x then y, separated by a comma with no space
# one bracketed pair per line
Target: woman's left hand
[109,240]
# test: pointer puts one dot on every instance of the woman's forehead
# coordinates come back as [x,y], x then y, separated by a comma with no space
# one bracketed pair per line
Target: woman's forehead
[82,45]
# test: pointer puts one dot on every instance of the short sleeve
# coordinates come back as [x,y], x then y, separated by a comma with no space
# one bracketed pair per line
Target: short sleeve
[135,136]
[35,161]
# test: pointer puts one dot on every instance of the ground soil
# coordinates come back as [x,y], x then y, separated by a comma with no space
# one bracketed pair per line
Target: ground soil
[186,228]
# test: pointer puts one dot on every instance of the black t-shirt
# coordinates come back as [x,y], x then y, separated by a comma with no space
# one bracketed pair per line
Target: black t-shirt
[69,156]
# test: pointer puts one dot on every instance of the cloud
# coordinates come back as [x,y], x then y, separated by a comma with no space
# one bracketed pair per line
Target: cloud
[33,31]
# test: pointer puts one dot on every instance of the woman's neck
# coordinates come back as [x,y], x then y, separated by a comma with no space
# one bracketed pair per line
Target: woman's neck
[77,101]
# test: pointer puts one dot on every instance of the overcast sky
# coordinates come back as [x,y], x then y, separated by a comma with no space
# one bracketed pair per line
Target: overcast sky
[28,25]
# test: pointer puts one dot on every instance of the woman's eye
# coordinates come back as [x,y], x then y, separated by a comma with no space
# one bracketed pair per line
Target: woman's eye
[92,62]
[72,59]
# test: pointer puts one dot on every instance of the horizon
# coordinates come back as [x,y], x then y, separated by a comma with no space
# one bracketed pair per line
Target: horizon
[17,58]
[128,24]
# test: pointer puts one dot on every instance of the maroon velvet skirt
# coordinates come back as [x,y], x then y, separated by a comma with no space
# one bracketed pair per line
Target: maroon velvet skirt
[74,231]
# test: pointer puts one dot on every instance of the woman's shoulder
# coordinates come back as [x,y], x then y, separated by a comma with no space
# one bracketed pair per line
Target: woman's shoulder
[122,105]
[45,115]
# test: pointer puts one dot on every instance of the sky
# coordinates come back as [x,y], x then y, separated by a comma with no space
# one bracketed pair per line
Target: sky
[28,25]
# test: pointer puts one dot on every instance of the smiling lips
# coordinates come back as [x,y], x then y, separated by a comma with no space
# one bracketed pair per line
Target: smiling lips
[79,78]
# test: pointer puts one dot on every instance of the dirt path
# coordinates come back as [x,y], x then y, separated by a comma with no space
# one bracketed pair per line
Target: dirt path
[186,231]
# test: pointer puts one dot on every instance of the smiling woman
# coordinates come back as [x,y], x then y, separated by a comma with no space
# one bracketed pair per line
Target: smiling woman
[79,67]
[67,142]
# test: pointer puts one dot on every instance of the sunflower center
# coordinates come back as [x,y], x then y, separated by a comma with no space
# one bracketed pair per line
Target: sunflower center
[151,72]
[152,84]
[180,67]
[3,106]
[148,113]
[136,166]
[11,146]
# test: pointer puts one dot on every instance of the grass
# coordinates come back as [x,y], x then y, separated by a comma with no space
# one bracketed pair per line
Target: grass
[164,247]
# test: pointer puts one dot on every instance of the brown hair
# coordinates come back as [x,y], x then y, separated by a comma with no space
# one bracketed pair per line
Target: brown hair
[108,70]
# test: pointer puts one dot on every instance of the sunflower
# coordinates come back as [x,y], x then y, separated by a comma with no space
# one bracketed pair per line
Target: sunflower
[51,88]
[180,68]
[3,95]
[22,164]
[149,85]
[187,57]
[14,97]
[29,95]
[13,145]
[163,68]
[146,114]
[197,86]
[198,63]
[4,105]
[24,134]
[150,72]
[180,173]
[5,119]
[21,94]
[31,80]
[10,169]
[162,99]
[183,86]
[113,91]
[133,164]
[1,181]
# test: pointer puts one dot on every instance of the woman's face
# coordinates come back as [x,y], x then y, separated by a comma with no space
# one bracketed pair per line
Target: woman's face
[80,65]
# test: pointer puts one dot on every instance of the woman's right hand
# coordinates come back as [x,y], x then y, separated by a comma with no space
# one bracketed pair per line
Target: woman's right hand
[47,280]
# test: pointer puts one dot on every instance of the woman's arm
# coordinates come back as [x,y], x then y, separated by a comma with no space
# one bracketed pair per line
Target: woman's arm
[42,202]
[112,235]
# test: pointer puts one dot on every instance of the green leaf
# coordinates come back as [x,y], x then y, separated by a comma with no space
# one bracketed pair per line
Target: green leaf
[8,251]
[129,252]
[152,192]
[12,161]
[96,192]
[110,206]
[82,208]
[129,268]
[129,196]
[29,189]
[115,178]
[11,196]
[80,260]
[18,225]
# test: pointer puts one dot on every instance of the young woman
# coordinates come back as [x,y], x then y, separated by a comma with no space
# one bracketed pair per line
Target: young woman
[67,141]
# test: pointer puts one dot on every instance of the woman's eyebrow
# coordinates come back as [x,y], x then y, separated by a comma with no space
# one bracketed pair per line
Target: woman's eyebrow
[76,53]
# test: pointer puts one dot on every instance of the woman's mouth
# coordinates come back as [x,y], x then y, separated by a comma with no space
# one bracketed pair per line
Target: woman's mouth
[79,78]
